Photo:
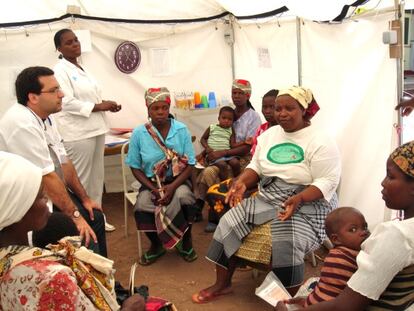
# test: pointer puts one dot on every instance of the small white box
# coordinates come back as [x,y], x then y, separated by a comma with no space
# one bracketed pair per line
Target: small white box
[389,37]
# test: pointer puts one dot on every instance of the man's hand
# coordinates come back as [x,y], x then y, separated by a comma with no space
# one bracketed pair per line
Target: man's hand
[90,205]
[290,206]
[85,231]
[406,105]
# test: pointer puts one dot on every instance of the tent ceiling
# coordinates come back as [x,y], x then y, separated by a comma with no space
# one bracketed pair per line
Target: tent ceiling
[319,10]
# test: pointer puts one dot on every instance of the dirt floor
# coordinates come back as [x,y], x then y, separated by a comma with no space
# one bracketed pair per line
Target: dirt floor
[171,277]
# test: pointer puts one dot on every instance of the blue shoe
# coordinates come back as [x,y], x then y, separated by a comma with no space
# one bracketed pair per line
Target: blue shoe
[211,227]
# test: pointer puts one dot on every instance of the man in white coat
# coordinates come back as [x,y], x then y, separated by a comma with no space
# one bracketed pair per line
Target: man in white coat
[28,129]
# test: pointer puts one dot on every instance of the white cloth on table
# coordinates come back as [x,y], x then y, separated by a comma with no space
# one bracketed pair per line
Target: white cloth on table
[386,252]
[320,166]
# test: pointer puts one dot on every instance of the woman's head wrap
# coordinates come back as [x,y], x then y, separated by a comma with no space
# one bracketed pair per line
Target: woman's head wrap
[19,185]
[403,157]
[304,97]
[243,85]
[153,95]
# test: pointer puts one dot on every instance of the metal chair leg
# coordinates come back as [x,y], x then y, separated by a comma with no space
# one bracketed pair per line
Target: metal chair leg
[126,216]
[139,244]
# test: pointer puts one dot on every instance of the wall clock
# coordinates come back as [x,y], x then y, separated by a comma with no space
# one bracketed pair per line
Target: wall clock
[127,57]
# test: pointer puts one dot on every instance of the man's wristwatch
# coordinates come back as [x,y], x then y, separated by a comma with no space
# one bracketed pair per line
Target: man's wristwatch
[76,214]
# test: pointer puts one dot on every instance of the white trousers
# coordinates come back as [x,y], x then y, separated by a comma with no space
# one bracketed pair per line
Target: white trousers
[87,156]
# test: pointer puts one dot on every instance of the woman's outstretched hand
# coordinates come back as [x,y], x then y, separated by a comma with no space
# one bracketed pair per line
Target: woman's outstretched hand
[235,194]
[290,206]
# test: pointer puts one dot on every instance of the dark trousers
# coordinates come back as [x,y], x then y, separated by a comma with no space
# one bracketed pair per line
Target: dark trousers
[97,225]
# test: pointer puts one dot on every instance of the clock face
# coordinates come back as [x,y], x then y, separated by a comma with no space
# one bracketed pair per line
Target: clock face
[127,57]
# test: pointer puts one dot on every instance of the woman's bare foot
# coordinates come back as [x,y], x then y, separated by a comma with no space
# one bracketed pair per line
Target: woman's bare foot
[211,293]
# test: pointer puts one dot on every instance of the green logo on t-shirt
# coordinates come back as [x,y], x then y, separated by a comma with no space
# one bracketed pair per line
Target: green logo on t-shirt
[285,153]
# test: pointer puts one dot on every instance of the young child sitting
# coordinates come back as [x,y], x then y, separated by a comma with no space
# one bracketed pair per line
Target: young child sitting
[347,229]
[219,137]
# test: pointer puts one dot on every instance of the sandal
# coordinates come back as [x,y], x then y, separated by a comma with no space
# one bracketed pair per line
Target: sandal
[189,255]
[148,259]
[204,297]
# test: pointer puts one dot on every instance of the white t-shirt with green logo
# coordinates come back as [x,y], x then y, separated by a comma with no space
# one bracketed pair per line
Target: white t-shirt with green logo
[304,157]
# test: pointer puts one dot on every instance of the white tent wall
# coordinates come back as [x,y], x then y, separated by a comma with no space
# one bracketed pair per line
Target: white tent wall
[346,65]
[200,60]
[354,81]
[280,41]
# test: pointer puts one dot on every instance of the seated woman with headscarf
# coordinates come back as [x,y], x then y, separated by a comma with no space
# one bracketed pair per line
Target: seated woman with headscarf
[161,157]
[63,278]
[245,125]
[298,170]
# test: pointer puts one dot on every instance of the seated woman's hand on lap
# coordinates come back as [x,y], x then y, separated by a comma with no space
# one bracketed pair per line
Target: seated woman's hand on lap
[168,191]
[236,192]
[290,206]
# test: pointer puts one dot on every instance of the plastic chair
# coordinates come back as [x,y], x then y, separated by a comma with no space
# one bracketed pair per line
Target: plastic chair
[129,196]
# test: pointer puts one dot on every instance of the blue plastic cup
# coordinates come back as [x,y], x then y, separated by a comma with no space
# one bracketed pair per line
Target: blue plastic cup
[212,103]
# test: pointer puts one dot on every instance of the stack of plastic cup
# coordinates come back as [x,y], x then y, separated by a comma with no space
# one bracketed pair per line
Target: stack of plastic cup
[197,100]
[204,101]
[212,103]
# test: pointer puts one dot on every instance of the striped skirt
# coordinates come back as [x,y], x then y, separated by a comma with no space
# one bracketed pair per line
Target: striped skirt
[291,239]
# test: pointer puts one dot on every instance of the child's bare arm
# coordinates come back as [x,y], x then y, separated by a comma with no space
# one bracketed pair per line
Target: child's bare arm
[203,140]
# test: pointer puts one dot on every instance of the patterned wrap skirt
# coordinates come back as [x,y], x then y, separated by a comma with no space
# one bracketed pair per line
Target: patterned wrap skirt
[291,239]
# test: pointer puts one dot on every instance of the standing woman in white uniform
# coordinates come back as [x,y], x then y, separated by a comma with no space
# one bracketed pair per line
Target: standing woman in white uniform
[82,122]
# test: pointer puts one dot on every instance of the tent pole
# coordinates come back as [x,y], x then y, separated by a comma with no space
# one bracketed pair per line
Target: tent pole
[299,49]
[229,38]
[233,71]
[399,15]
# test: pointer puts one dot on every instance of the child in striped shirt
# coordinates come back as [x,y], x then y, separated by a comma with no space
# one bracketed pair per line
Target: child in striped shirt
[217,139]
[347,229]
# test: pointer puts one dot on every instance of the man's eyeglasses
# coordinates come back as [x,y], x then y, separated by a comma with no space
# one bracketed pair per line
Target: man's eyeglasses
[55,90]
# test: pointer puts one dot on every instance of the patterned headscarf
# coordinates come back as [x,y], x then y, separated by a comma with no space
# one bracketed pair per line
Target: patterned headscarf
[19,185]
[403,156]
[153,95]
[243,85]
[304,97]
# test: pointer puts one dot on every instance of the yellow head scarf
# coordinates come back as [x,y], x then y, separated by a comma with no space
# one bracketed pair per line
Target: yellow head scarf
[304,97]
